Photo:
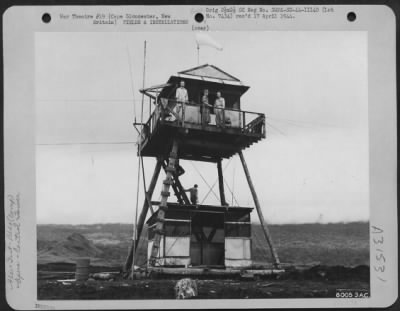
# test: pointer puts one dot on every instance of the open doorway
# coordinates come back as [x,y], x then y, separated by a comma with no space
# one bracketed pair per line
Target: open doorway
[207,241]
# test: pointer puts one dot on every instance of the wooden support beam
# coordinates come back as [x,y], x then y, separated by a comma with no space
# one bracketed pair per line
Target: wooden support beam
[221,183]
[212,234]
[213,272]
[143,214]
[147,201]
[146,194]
[259,212]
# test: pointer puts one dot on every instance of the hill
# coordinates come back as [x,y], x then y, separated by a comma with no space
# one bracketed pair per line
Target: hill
[69,249]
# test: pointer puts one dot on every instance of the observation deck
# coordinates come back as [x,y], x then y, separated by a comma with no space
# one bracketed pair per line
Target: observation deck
[201,135]
[200,140]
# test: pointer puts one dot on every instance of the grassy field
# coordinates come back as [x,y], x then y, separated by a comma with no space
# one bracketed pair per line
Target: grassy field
[321,258]
[297,244]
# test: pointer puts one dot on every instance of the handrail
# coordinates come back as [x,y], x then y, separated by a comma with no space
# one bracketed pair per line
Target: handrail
[254,122]
[199,105]
[160,113]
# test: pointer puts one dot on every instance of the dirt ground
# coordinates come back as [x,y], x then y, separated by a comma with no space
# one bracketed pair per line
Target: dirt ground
[319,281]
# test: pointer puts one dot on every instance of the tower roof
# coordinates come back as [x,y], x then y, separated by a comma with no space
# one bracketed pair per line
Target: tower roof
[209,71]
[202,76]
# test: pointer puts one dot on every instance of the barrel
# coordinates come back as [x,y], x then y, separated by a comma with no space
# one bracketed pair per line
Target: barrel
[82,269]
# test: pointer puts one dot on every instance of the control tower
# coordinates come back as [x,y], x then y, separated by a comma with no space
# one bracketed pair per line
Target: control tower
[185,234]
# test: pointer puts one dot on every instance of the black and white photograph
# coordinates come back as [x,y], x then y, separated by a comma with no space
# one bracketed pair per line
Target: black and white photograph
[238,161]
[202,165]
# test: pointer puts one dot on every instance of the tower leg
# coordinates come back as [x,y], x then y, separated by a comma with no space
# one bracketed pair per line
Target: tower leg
[259,212]
[221,183]
[143,215]
[170,169]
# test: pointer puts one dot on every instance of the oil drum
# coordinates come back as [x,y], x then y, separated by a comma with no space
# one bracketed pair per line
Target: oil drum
[82,269]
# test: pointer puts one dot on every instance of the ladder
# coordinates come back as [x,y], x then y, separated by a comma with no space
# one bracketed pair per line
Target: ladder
[158,231]
[177,186]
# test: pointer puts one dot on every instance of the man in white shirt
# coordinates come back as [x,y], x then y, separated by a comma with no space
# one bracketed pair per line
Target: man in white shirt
[181,93]
[181,97]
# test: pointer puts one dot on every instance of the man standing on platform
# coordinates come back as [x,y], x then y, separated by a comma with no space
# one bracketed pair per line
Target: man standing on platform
[194,194]
[205,108]
[219,106]
[181,97]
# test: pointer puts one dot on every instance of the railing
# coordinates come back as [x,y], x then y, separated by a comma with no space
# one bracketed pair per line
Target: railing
[249,123]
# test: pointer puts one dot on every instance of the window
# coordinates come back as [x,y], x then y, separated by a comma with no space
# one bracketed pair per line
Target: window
[237,230]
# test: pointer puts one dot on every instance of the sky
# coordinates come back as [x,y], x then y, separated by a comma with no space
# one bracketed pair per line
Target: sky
[312,86]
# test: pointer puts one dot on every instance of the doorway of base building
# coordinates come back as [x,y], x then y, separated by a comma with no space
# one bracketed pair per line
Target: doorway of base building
[207,241]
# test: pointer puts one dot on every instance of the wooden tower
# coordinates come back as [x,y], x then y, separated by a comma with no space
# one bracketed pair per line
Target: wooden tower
[183,234]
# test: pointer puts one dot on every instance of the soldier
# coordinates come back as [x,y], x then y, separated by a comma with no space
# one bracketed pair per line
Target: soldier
[194,194]
[205,108]
[181,97]
[219,106]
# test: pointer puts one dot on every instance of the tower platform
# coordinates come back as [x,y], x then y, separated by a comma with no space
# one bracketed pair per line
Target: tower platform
[198,140]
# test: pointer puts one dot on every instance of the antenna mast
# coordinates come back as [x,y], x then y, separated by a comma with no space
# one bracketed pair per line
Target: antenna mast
[198,54]
[133,89]
[139,165]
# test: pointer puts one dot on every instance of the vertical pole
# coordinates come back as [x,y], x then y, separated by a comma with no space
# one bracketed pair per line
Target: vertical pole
[183,113]
[149,108]
[221,183]
[144,78]
[133,91]
[143,214]
[139,154]
[233,180]
[223,117]
[259,212]
[198,54]
[147,201]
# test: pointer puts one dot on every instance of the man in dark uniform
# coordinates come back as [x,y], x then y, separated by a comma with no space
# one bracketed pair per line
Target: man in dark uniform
[194,194]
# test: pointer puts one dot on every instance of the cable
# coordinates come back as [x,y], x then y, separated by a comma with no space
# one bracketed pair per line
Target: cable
[225,182]
[227,164]
[289,123]
[176,239]
[87,100]
[90,143]
[311,124]
[204,180]
[275,128]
